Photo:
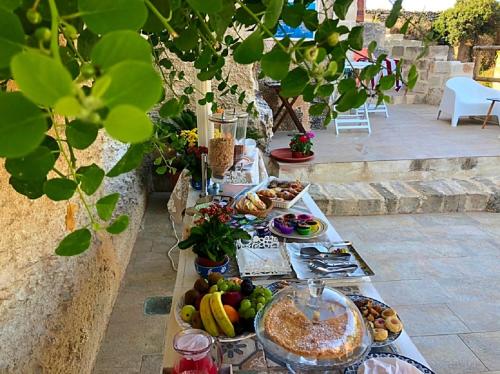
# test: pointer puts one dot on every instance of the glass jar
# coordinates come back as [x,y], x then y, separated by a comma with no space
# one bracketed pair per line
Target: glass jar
[197,353]
[241,134]
[221,146]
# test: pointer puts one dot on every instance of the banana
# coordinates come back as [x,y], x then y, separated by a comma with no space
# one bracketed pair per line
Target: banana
[220,315]
[206,316]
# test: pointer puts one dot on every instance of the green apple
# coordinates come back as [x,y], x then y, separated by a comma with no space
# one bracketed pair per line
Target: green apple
[187,312]
[333,39]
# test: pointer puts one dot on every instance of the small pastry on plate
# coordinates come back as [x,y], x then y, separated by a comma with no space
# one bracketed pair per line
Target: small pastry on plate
[267,193]
[380,334]
[303,229]
[393,324]
[379,323]
[254,198]
[386,313]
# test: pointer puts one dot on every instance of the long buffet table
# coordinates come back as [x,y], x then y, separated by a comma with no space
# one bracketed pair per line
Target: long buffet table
[247,354]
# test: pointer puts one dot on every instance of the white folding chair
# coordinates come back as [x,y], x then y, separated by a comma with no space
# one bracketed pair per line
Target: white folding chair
[355,119]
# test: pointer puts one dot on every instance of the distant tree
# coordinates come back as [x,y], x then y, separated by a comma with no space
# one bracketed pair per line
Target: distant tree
[463,24]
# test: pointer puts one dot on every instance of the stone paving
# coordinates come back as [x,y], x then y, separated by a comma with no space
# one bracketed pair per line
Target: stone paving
[134,341]
[441,273]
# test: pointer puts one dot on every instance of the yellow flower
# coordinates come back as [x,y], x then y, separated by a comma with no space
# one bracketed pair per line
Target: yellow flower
[191,136]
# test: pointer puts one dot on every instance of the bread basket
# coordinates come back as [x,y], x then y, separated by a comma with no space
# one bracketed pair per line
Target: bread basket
[240,208]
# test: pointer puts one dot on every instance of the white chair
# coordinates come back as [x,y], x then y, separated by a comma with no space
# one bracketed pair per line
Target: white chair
[463,96]
[354,119]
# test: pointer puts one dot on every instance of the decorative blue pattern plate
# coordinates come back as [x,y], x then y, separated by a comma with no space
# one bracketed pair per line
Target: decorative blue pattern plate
[353,369]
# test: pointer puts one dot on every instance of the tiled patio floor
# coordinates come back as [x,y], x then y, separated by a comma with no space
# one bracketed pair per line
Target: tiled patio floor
[410,132]
[441,272]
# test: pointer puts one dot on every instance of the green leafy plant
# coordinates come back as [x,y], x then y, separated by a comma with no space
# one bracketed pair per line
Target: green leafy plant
[84,67]
[212,238]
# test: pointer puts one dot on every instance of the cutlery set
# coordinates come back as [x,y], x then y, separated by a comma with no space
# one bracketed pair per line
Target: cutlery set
[326,262]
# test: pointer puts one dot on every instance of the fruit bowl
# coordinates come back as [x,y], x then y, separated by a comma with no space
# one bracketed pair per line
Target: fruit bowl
[226,309]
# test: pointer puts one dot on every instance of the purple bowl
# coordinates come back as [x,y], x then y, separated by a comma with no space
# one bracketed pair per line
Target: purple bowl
[304,217]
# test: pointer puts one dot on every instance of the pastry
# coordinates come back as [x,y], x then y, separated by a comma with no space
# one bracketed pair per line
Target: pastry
[314,225]
[267,193]
[380,334]
[379,323]
[254,198]
[290,328]
[386,313]
[303,229]
[393,324]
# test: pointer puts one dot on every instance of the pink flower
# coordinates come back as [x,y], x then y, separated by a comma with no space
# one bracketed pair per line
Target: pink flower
[310,134]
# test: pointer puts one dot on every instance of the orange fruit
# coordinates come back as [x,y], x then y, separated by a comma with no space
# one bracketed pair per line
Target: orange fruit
[232,313]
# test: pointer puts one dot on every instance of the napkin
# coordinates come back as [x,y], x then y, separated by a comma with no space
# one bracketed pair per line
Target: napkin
[387,365]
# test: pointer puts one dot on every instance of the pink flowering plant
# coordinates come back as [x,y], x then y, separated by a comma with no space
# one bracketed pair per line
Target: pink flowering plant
[302,143]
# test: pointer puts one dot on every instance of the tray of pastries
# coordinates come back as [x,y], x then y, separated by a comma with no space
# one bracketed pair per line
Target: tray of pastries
[284,194]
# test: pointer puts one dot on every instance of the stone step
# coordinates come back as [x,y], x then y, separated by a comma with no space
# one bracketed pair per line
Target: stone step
[408,197]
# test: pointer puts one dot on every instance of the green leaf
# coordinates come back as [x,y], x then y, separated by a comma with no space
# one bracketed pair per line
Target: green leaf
[204,6]
[86,42]
[412,77]
[404,28]
[34,166]
[130,160]
[68,106]
[118,46]
[10,4]
[42,79]
[11,36]
[153,24]
[293,14]
[393,16]
[273,11]
[22,125]
[106,205]
[119,225]
[187,39]
[103,16]
[32,189]
[128,124]
[171,108]
[325,90]
[275,64]
[355,38]
[317,109]
[80,134]
[250,50]
[372,46]
[341,7]
[90,178]
[387,82]
[294,83]
[75,243]
[311,19]
[133,82]
[58,189]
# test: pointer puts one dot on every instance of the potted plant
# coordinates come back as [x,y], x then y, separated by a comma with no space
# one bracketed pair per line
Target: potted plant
[213,240]
[301,145]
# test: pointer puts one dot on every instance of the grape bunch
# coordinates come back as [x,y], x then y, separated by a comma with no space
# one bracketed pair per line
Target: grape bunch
[254,302]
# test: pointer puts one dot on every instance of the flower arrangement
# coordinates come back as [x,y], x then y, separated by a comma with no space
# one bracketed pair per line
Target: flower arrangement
[212,238]
[192,158]
[301,144]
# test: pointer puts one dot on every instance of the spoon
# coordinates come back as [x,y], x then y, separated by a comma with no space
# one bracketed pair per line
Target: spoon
[313,252]
[331,270]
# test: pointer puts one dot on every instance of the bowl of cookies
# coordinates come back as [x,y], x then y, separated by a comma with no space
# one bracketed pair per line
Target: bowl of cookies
[253,204]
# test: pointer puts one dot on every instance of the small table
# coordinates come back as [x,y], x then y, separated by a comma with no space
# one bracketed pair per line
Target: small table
[288,105]
[488,115]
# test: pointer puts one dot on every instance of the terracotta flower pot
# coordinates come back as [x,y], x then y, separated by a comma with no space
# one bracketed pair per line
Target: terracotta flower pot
[296,154]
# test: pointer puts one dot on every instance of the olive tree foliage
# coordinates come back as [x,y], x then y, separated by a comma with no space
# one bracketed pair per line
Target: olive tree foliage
[468,20]
[88,66]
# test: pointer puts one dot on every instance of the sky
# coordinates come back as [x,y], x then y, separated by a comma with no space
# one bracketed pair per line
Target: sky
[432,5]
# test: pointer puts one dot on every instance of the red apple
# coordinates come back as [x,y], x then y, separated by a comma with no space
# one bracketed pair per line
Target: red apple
[232,298]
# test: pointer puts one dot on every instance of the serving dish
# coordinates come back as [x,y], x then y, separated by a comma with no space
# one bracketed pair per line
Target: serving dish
[308,326]
[366,304]
[289,225]
[274,186]
[353,369]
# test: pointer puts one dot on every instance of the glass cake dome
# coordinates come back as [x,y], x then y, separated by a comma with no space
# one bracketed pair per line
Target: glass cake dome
[308,326]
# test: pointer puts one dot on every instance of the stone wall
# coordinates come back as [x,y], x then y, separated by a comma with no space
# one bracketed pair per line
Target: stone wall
[54,310]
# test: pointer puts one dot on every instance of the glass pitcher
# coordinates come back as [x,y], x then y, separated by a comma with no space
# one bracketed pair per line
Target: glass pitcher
[198,353]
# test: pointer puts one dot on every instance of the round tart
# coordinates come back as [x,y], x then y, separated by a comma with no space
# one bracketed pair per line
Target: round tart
[393,324]
[380,334]
[303,229]
[386,313]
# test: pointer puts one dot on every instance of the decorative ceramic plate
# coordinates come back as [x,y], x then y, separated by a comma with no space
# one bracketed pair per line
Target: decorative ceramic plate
[285,155]
[353,369]
[295,235]
[392,336]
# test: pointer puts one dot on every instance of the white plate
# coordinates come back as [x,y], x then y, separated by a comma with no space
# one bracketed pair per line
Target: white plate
[295,235]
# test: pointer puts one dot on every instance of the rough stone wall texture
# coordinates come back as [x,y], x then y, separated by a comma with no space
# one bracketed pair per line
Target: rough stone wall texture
[54,310]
